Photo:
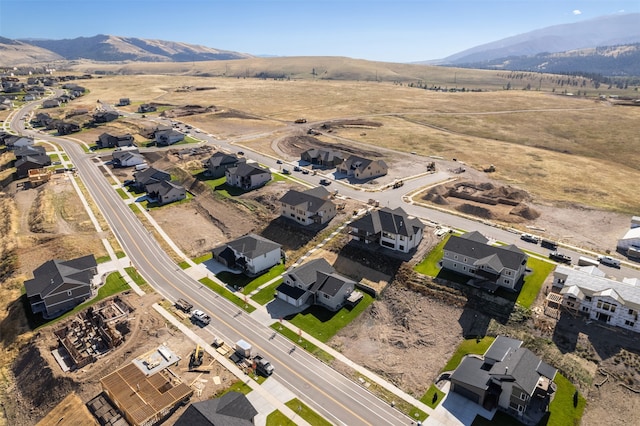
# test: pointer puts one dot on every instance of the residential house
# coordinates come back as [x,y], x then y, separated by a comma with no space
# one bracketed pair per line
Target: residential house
[168,137]
[59,286]
[362,168]
[127,158]
[105,116]
[219,162]
[629,244]
[316,282]
[251,253]
[65,128]
[247,176]
[30,150]
[509,377]
[51,103]
[590,293]
[5,103]
[489,266]
[144,108]
[308,207]
[29,162]
[16,142]
[231,409]
[124,102]
[322,157]
[390,228]
[149,176]
[42,119]
[30,97]
[166,192]
[109,140]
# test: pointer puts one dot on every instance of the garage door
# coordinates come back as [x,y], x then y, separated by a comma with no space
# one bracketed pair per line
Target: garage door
[466,393]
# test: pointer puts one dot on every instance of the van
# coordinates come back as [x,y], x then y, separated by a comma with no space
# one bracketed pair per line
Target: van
[609,261]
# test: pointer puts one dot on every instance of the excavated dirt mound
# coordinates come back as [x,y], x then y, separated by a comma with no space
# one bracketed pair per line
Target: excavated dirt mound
[474,210]
[525,211]
[295,145]
[507,192]
[187,110]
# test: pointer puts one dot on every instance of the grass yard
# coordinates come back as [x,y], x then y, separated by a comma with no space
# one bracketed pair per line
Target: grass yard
[266,295]
[248,284]
[307,413]
[429,265]
[238,386]
[276,418]
[562,409]
[468,346]
[533,283]
[201,259]
[324,324]
[433,396]
[302,342]
[227,294]
[122,193]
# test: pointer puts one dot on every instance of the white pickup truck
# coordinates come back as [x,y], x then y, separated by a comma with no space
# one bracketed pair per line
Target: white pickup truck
[200,317]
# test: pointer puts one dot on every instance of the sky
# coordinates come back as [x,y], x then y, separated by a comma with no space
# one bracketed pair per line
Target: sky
[378,30]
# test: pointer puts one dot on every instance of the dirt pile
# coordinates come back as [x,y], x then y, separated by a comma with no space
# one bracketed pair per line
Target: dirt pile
[187,110]
[526,212]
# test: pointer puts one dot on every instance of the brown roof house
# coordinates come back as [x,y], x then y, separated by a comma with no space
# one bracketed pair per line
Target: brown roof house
[308,207]
[509,377]
[362,168]
[59,286]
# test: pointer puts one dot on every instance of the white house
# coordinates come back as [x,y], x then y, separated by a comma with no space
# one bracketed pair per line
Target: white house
[308,207]
[251,253]
[589,292]
[390,228]
[629,244]
[470,255]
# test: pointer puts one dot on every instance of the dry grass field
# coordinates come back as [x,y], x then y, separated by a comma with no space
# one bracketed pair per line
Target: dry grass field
[542,142]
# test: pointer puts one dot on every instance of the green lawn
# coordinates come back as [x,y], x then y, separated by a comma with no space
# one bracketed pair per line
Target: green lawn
[238,386]
[137,278]
[323,324]
[114,284]
[227,294]
[120,254]
[562,410]
[429,265]
[203,258]
[468,346]
[303,343]
[122,193]
[533,283]
[428,397]
[276,418]
[248,284]
[310,416]
[266,295]
[103,259]
[184,265]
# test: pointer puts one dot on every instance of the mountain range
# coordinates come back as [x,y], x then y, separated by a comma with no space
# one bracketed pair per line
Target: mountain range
[609,45]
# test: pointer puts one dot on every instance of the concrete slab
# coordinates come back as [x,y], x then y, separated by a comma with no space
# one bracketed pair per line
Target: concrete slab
[456,410]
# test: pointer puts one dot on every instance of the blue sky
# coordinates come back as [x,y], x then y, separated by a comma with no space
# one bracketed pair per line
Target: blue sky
[384,30]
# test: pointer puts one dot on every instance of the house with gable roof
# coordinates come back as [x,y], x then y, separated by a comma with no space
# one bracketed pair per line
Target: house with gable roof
[59,286]
[390,228]
[127,158]
[308,207]
[166,192]
[110,140]
[149,176]
[166,137]
[316,282]
[231,409]
[362,168]
[250,253]
[489,266]
[247,176]
[219,162]
[322,157]
[509,377]
[589,292]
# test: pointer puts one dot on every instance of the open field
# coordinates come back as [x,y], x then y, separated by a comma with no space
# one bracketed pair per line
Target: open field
[547,142]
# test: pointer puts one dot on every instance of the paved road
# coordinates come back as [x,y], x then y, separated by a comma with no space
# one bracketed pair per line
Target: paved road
[322,388]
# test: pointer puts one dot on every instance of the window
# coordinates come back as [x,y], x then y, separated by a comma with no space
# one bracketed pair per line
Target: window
[629,323]
[632,312]
[606,306]
[508,272]
[585,309]
[587,298]
[465,260]
[523,396]
[506,281]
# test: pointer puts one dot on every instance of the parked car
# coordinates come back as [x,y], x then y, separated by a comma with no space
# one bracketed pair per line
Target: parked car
[609,261]
[551,245]
[286,172]
[278,161]
[530,238]
[559,257]
[200,317]
[325,182]
[183,305]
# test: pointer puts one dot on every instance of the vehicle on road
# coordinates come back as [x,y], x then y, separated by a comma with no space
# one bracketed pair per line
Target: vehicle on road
[263,366]
[183,305]
[200,317]
[609,261]
[587,261]
[325,182]
[242,355]
[278,161]
[305,171]
[286,172]
[530,238]
[296,168]
[551,245]
[559,257]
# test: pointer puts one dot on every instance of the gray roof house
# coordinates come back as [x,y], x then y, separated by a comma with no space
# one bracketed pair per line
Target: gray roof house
[390,228]
[231,409]
[127,158]
[168,137]
[58,286]
[489,266]
[308,207]
[509,377]
[148,176]
[15,142]
[108,140]
[247,176]
[322,157]
[316,282]
[105,116]
[29,150]
[166,192]
[362,168]
[29,162]
[219,162]
[250,253]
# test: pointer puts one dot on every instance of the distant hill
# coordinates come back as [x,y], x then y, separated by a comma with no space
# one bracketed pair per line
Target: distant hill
[13,52]
[611,30]
[113,48]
